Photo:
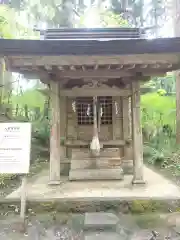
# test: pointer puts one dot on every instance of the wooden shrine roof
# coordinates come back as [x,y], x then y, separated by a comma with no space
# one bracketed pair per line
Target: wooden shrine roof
[88,47]
[92,33]
[84,57]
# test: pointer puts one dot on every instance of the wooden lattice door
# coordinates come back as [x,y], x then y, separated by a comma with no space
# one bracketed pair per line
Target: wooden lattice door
[84,111]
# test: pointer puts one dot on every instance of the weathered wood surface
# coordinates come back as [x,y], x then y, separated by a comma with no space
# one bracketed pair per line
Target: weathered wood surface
[71,60]
[55,148]
[108,144]
[14,47]
[83,92]
[137,134]
[176,23]
[107,71]
[126,127]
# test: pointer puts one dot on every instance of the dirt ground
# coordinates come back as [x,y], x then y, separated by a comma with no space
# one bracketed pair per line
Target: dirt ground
[41,227]
[63,226]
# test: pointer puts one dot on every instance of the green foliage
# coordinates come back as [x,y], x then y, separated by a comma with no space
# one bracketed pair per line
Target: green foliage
[6,22]
[158,110]
[158,122]
[159,154]
[41,132]
[109,19]
[137,207]
[11,26]
[5,179]
[33,98]
[52,12]
[161,92]
[104,18]
[145,206]
[162,85]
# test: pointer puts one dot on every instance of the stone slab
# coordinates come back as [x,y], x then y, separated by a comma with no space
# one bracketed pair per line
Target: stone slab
[103,236]
[100,219]
[104,162]
[157,188]
[96,174]
[110,152]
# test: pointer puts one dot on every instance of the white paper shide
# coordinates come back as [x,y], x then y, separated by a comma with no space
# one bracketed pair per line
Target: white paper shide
[15,144]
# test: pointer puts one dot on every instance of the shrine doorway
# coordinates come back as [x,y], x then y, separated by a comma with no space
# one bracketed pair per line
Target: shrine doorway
[85,118]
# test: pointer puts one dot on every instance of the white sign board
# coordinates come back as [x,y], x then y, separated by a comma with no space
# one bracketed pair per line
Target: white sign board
[15,145]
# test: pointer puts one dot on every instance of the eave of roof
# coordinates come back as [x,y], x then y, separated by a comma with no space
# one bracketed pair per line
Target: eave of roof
[89,47]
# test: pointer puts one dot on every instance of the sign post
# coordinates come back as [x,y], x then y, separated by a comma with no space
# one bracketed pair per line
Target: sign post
[23,198]
[15,146]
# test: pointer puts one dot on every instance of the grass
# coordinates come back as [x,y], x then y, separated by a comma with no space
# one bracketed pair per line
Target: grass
[149,221]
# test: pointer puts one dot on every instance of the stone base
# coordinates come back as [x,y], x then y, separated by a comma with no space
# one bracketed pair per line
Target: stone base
[138,182]
[100,220]
[101,226]
[96,174]
[54,182]
[127,166]
[99,162]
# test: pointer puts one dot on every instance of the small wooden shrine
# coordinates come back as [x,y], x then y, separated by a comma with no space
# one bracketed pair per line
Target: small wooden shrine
[94,79]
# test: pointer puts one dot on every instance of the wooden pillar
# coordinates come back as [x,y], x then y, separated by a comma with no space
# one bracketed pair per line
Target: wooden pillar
[176,22]
[127,161]
[55,148]
[137,135]
[126,126]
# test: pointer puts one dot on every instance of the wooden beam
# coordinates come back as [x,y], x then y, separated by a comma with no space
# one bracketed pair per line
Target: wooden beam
[110,73]
[81,92]
[106,73]
[108,144]
[91,74]
[17,61]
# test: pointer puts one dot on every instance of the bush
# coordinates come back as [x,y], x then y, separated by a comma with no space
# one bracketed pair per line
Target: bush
[41,132]
[6,179]
[158,110]
[159,136]
[162,92]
